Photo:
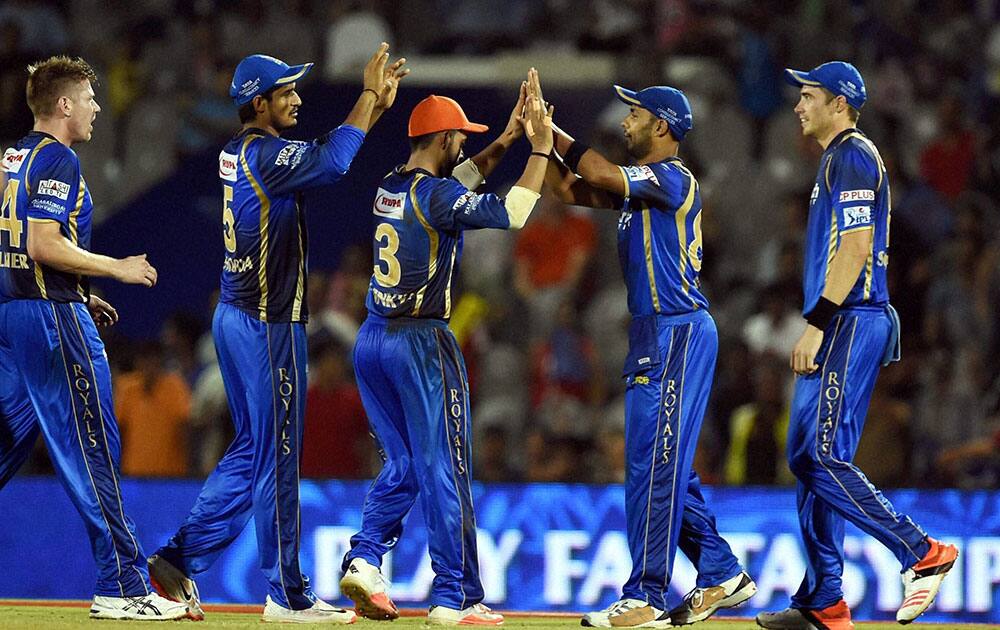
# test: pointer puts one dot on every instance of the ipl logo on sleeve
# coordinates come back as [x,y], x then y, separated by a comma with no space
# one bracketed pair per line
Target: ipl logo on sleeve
[857,215]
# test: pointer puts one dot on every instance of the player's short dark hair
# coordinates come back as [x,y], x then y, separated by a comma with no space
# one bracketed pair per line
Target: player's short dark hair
[50,79]
[424,141]
[248,113]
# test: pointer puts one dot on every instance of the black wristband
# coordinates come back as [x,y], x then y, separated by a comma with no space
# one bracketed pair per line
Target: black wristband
[821,314]
[573,154]
[540,154]
[372,91]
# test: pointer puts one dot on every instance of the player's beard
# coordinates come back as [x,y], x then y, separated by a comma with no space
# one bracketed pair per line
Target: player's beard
[640,144]
[447,169]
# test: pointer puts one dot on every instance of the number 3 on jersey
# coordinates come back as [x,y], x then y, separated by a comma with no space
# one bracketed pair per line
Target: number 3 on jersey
[8,214]
[388,240]
[228,219]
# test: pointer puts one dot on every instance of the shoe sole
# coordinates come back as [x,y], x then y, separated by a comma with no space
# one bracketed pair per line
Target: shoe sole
[732,601]
[934,588]
[368,605]
[326,620]
[123,616]
[462,622]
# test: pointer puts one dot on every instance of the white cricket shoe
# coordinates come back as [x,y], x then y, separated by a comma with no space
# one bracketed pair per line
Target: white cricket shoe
[368,588]
[319,612]
[475,615]
[702,603]
[171,583]
[627,613]
[922,581]
[150,607]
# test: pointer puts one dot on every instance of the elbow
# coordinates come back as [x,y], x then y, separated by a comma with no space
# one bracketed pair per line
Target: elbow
[37,250]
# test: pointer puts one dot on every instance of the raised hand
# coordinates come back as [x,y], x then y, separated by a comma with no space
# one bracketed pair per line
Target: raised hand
[537,123]
[374,77]
[393,75]
[513,129]
[135,270]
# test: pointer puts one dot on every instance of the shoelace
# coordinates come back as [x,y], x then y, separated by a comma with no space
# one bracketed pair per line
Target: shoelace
[481,608]
[621,606]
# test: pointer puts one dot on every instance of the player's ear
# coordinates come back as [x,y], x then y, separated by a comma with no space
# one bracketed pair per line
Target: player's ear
[661,129]
[258,104]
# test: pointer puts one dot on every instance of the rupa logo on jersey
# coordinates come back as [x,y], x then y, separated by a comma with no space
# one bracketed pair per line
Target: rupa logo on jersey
[857,195]
[13,159]
[857,215]
[54,188]
[389,205]
[227,166]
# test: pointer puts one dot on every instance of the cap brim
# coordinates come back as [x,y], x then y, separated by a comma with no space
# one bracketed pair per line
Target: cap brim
[627,96]
[294,74]
[798,78]
[474,128]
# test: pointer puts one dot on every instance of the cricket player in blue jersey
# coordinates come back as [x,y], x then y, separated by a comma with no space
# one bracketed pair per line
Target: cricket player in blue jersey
[54,374]
[851,330]
[410,369]
[259,333]
[668,373]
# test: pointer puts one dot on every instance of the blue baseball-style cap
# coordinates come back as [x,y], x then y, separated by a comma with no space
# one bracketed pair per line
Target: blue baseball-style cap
[664,102]
[840,77]
[257,74]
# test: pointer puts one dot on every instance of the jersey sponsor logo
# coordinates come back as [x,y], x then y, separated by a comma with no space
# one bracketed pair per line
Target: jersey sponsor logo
[291,154]
[625,220]
[46,205]
[13,159]
[814,195]
[227,166]
[54,188]
[389,205]
[857,195]
[640,173]
[470,200]
[857,215]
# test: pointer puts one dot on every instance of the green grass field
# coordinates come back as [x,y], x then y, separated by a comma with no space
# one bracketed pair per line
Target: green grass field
[49,616]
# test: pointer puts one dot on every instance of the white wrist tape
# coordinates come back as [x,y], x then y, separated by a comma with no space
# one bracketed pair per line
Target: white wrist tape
[467,173]
[519,203]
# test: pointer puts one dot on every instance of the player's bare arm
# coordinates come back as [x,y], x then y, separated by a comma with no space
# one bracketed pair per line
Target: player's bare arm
[537,125]
[571,189]
[846,266]
[48,246]
[488,159]
[374,84]
[393,75]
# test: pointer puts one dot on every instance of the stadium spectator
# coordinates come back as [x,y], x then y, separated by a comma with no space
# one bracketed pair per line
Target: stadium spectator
[154,408]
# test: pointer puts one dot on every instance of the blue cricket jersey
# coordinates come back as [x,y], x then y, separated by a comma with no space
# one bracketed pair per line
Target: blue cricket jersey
[659,239]
[851,193]
[263,223]
[418,241]
[44,183]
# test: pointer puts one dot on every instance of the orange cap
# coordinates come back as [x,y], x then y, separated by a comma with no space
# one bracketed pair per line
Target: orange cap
[440,113]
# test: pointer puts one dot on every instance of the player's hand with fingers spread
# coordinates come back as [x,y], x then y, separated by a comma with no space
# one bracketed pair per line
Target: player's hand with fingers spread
[103,313]
[537,123]
[135,270]
[374,77]
[803,359]
[393,75]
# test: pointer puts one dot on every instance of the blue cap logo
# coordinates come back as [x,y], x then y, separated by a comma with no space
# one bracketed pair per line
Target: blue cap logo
[839,77]
[257,74]
[664,102]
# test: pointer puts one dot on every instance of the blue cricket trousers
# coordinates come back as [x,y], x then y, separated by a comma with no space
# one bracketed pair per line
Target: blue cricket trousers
[264,371]
[55,378]
[664,508]
[827,418]
[414,387]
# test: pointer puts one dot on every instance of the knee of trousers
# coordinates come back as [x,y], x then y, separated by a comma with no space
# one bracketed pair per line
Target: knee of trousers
[804,462]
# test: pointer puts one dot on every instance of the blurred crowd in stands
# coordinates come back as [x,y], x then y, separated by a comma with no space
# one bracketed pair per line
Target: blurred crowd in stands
[541,313]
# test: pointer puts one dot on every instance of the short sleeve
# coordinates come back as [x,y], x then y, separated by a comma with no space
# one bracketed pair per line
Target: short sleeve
[452,206]
[647,182]
[854,178]
[54,184]
[290,166]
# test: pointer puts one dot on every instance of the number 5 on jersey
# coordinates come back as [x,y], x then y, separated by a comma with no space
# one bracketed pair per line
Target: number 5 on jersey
[228,219]
[388,240]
